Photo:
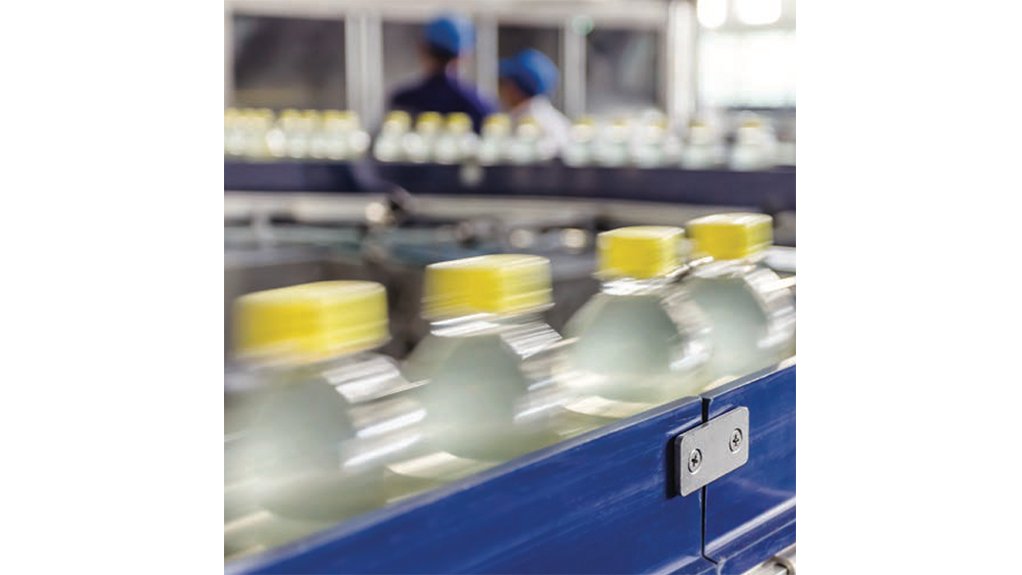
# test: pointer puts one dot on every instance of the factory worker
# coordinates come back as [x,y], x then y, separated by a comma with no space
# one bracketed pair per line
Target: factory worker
[526,81]
[446,40]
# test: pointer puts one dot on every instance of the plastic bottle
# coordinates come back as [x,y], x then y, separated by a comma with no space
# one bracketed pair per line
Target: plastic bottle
[579,150]
[388,143]
[611,146]
[703,148]
[233,143]
[653,144]
[640,341]
[250,130]
[750,311]
[457,142]
[340,136]
[418,146]
[496,135]
[530,143]
[483,403]
[331,413]
[755,147]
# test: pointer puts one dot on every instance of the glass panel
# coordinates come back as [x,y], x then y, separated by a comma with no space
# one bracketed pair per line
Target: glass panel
[514,39]
[622,71]
[751,69]
[289,63]
[401,65]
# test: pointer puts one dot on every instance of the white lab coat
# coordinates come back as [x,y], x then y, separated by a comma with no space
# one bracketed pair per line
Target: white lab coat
[556,125]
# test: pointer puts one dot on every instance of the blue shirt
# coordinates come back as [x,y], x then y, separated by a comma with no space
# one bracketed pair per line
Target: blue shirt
[445,94]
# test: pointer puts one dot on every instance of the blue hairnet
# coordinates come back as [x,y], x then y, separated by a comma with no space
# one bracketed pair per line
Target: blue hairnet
[450,33]
[531,71]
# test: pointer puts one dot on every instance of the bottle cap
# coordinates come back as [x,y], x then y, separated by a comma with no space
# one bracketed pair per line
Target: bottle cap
[502,284]
[311,322]
[731,236]
[640,252]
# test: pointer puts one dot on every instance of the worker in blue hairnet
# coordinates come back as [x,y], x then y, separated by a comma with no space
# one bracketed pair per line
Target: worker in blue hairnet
[446,40]
[526,81]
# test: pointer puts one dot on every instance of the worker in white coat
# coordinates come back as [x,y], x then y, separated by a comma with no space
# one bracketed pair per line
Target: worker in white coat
[526,81]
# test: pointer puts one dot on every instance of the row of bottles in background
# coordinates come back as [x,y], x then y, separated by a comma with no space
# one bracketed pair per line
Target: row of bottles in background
[645,142]
[297,134]
[649,142]
[340,429]
[451,140]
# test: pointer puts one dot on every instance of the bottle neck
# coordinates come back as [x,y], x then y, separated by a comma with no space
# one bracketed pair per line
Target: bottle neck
[482,322]
[730,266]
[635,286]
[286,362]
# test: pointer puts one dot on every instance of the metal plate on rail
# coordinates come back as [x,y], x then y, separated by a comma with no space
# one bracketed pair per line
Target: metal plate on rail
[712,450]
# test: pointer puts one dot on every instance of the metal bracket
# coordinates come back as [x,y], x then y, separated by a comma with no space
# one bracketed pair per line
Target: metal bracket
[712,450]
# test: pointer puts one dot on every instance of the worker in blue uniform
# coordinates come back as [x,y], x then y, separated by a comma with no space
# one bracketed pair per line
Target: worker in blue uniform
[445,41]
[526,81]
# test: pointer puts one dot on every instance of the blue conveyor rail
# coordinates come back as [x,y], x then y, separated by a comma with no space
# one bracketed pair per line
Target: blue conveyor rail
[771,191]
[604,502]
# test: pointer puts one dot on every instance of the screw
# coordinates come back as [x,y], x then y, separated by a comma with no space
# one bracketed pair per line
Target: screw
[695,459]
[736,441]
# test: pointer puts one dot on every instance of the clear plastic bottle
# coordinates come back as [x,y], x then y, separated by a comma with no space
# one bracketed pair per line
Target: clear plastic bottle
[329,414]
[579,151]
[419,146]
[340,136]
[388,143]
[611,146]
[483,403]
[457,142]
[251,128]
[755,147]
[653,143]
[703,148]
[640,341]
[495,141]
[530,143]
[232,132]
[750,310]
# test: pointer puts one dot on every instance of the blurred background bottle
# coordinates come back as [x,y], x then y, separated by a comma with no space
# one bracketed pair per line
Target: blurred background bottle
[418,146]
[755,146]
[653,144]
[340,136]
[496,135]
[457,143]
[578,151]
[703,147]
[388,143]
[246,132]
[611,146]
[750,310]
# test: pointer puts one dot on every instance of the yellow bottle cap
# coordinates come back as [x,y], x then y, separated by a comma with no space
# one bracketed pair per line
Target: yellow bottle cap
[497,120]
[528,127]
[731,236]
[428,120]
[311,322]
[459,121]
[640,252]
[398,117]
[502,284]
